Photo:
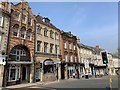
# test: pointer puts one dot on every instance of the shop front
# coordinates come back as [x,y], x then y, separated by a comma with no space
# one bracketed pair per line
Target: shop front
[19,65]
[49,70]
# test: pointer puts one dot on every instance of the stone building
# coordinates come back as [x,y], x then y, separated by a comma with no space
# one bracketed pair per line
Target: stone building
[116,65]
[68,45]
[85,56]
[47,50]
[99,67]
[20,65]
[4,30]
[110,63]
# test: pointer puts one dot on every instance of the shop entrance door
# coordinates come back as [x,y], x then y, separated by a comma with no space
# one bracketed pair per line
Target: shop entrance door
[24,73]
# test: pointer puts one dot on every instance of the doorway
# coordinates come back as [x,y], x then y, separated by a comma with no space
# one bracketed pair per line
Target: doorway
[24,73]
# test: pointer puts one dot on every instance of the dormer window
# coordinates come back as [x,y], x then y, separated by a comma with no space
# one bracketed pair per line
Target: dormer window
[46,20]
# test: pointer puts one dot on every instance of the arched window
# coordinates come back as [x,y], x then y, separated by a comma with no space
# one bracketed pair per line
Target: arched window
[29,32]
[15,32]
[18,52]
[22,31]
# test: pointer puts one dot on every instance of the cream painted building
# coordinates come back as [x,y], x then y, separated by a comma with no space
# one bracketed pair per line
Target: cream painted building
[110,64]
[116,65]
[47,50]
[99,67]
[85,55]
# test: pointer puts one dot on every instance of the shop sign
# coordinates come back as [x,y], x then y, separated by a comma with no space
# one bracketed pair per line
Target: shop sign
[2,59]
[48,62]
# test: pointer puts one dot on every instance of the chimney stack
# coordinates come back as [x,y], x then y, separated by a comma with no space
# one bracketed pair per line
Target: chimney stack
[97,47]
[6,5]
[78,40]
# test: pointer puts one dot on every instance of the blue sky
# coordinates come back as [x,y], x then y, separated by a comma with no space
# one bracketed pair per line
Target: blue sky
[93,22]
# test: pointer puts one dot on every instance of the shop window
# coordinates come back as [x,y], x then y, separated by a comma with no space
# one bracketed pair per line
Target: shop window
[14,73]
[48,69]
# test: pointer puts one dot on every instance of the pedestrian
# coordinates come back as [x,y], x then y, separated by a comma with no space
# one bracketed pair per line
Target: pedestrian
[73,74]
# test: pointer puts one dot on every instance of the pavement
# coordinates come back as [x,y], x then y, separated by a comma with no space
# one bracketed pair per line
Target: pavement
[49,82]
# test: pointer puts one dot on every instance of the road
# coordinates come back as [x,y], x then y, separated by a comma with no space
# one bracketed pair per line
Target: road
[75,83]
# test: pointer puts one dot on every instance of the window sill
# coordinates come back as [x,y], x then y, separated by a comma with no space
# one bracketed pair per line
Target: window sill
[13,80]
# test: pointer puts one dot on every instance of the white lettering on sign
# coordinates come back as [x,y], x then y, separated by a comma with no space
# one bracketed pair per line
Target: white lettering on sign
[87,64]
[48,63]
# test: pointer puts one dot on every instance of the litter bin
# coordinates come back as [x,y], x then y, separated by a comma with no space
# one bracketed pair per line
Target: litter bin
[86,76]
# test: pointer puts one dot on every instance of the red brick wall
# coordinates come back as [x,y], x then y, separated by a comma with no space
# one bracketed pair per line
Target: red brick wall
[13,41]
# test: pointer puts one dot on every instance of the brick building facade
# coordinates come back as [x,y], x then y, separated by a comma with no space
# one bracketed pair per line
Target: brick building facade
[20,65]
[69,55]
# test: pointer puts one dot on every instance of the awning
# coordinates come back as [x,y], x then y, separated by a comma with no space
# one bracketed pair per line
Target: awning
[14,62]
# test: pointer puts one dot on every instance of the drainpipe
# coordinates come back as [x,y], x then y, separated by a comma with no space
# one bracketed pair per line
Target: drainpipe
[34,80]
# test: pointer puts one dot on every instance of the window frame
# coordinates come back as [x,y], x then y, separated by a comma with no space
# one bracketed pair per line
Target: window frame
[29,34]
[15,30]
[51,48]
[45,47]
[17,75]
[22,33]
[24,19]
[38,42]
[1,22]
[45,32]
[17,18]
